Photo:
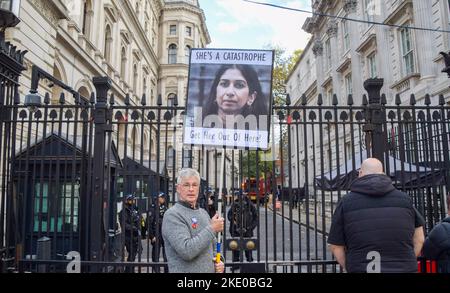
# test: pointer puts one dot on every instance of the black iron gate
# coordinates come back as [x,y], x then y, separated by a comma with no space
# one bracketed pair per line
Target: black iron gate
[68,164]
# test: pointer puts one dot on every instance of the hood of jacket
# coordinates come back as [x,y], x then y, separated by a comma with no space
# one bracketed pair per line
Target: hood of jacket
[373,185]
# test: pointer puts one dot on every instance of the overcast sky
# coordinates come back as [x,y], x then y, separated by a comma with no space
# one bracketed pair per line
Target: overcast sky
[243,25]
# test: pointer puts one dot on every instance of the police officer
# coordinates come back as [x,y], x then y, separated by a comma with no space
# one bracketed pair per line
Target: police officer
[155,220]
[130,218]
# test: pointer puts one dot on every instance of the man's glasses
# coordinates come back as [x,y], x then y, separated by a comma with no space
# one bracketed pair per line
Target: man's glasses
[188,186]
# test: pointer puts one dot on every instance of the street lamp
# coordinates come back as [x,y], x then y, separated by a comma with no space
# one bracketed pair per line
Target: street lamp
[32,101]
[9,13]
[447,63]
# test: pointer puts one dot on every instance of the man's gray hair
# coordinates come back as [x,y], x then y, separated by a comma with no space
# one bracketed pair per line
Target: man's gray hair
[187,172]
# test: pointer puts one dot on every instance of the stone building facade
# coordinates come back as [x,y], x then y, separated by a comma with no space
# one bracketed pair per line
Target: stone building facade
[141,45]
[342,54]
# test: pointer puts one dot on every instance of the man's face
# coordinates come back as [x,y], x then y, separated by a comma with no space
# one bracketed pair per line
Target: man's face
[188,190]
[161,200]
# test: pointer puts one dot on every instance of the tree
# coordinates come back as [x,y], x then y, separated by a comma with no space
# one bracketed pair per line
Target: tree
[294,59]
[249,160]
[282,67]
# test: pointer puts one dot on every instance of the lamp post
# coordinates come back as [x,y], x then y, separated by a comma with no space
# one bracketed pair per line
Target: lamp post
[447,63]
[9,13]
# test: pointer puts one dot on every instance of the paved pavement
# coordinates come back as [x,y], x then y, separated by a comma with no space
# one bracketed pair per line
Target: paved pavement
[314,219]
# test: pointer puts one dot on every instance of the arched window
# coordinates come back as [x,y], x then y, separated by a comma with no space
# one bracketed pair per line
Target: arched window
[172,54]
[108,43]
[170,99]
[152,98]
[146,146]
[135,78]
[84,92]
[170,157]
[123,62]
[144,85]
[153,150]
[88,14]
[187,53]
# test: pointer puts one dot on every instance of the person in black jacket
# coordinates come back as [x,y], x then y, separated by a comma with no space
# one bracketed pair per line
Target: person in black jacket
[131,221]
[243,220]
[437,244]
[211,205]
[375,228]
[156,215]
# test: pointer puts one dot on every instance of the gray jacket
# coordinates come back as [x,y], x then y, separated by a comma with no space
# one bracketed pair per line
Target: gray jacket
[189,240]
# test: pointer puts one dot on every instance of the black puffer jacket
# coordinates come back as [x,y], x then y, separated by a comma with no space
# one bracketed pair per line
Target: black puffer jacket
[437,245]
[376,217]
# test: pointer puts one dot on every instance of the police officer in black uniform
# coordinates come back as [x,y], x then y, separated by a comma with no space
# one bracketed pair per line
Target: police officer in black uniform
[130,219]
[155,220]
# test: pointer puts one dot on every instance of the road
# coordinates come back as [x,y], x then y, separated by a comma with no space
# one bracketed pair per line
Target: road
[287,242]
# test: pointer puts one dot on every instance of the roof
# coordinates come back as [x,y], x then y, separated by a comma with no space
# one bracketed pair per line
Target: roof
[60,145]
[146,166]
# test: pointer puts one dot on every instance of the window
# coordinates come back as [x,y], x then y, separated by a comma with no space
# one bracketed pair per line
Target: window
[108,43]
[87,18]
[170,100]
[372,62]
[369,10]
[448,13]
[187,53]
[187,158]
[328,54]
[188,31]
[329,97]
[64,208]
[348,150]
[123,64]
[348,84]
[407,51]
[346,36]
[144,85]
[135,78]
[172,54]
[173,30]
[308,67]
[170,156]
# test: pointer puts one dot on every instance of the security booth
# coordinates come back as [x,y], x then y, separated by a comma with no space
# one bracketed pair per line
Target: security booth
[52,193]
[141,180]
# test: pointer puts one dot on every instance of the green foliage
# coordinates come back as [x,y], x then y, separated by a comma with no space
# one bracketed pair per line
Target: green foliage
[263,167]
[282,67]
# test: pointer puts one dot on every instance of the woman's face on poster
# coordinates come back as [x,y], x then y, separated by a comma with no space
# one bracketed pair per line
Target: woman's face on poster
[233,92]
